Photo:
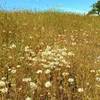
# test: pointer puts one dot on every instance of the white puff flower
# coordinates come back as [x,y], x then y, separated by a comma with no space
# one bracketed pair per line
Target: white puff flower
[26,79]
[10,31]
[64,53]
[47,71]
[10,57]
[65,73]
[80,90]
[2,83]
[92,71]
[71,80]
[30,37]
[27,48]
[4,90]
[64,61]
[3,78]
[28,98]
[48,84]
[39,72]
[9,69]
[13,71]
[33,85]
[68,66]
[18,66]
[71,53]
[12,46]
[73,43]
[98,79]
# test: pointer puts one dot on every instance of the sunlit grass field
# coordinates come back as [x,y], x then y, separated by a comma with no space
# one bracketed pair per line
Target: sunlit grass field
[49,56]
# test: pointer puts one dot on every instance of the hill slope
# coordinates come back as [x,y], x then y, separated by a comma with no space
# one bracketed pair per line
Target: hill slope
[49,55]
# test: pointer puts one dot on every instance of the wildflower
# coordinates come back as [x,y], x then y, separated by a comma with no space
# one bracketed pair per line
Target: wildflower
[64,53]
[28,98]
[10,57]
[26,48]
[46,66]
[87,83]
[47,71]
[13,71]
[33,53]
[52,67]
[18,66]
[56,63]
[33,85]
[43,60]
[68,66]
[39,72]
[4,90]
[98,57]
[65,30]
[30,37]
[65,73]
[73,43]
[71,80]
[98,79]
[48,48]
[71,53]
[13,85]
[42,28]
[60,87]
[80,90]
[26,79]
[10,31]
[61,57]
[21,58]
[64,61]
[46,53]
[34,59]
[12,46]
[9,69]
[92,71]
[30,58]
[2,83]
[48,84]
[3,78]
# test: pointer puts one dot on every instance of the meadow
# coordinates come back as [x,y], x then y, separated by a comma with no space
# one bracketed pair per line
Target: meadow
[49,56]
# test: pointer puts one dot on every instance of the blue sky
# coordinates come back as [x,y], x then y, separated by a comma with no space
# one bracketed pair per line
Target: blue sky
[64,5]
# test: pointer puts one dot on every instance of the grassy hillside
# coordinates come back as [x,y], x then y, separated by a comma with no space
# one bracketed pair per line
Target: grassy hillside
[49,56]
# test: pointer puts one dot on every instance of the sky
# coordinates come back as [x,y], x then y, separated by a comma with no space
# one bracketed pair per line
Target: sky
[79,6]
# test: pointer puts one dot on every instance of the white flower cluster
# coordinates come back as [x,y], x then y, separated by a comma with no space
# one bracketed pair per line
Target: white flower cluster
[12,46]
[32,84]
[29,54]
[3,88]
[71,80]
[54,57]
[26,79]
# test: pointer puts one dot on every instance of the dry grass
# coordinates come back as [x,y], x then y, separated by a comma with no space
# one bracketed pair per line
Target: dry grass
[49,56]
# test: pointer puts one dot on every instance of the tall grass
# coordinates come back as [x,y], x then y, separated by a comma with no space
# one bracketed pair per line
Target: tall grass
[49,56]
